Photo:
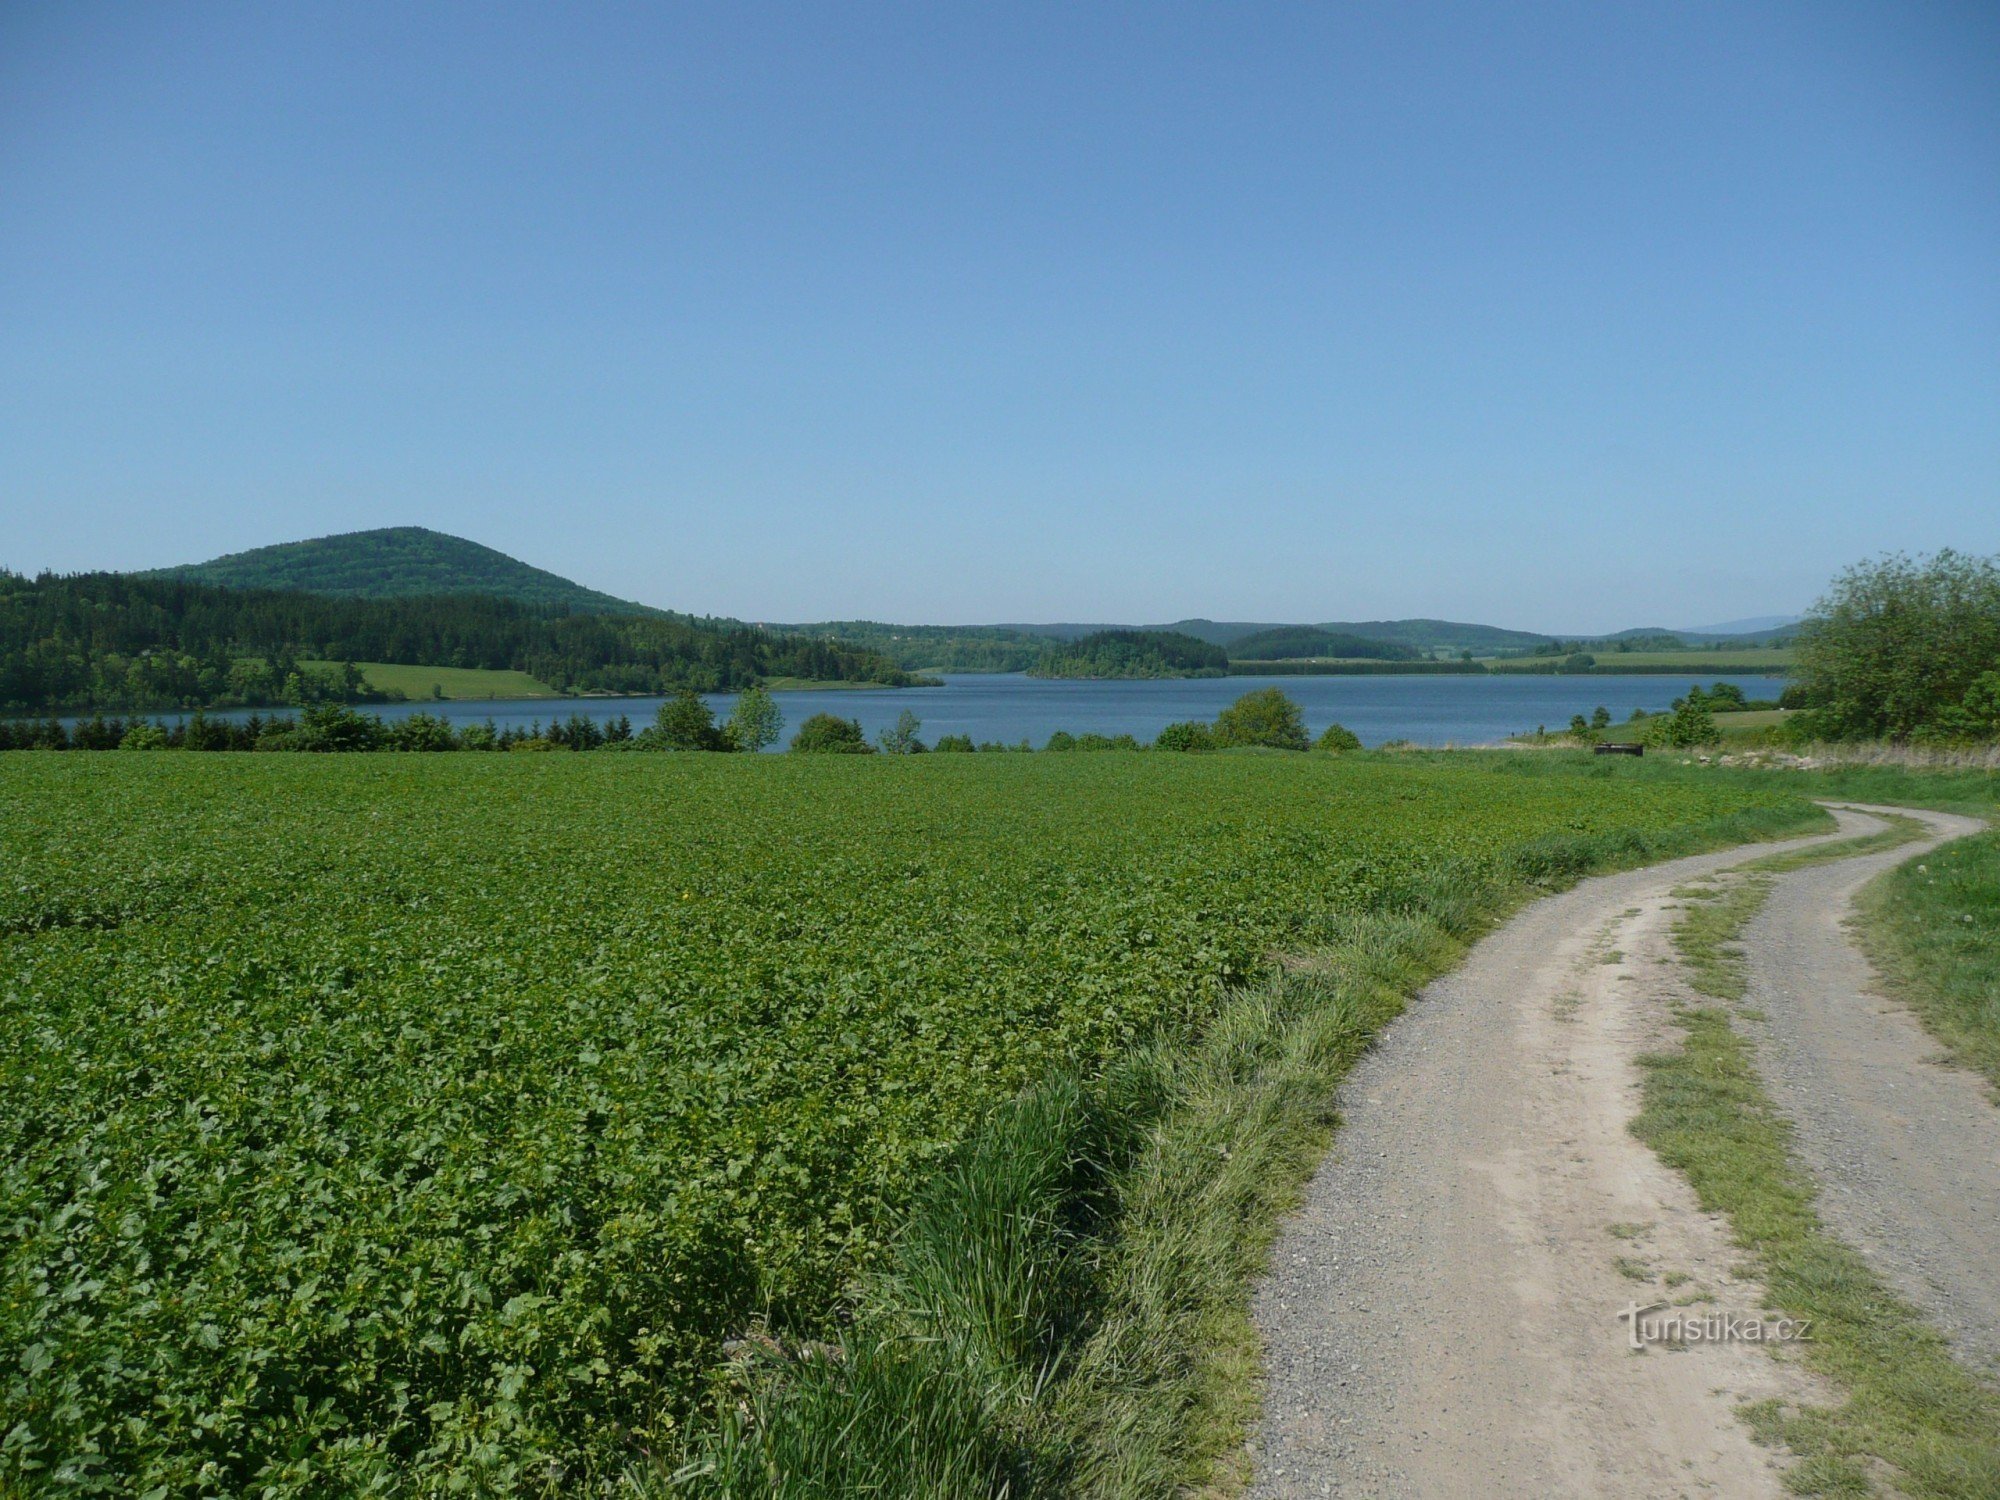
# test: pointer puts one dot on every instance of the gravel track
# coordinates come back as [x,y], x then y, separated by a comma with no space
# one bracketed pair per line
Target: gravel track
[1442,1316]
[1904,1145]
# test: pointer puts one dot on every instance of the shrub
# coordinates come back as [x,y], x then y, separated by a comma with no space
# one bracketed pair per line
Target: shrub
[335,726]
[954,744]
[422,732]
[144,737]
[1062,739]
[1337,738]
[1264,717]
[826,734]
[1190,734]
[1689,725]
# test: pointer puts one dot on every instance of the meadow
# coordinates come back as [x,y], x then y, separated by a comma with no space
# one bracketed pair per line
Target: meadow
[391,1123]
[418,683]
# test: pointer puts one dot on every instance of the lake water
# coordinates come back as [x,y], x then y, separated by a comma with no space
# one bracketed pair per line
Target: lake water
[1428,710]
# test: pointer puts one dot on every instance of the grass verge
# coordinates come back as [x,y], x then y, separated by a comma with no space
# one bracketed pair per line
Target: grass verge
[1067,1309]
[1910,1405]
[1932,929]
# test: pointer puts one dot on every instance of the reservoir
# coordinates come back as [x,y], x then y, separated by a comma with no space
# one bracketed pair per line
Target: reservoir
[1008,708]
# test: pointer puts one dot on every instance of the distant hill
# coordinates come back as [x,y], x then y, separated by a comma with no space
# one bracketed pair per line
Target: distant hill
[1132,653]
[1424,636]
[398,562]
[1759,625]
[1443,635]
[1302,642]
[112,641]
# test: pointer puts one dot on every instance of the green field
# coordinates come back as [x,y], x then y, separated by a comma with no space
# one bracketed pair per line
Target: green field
[375,1120]
[1727,663]
[445,682]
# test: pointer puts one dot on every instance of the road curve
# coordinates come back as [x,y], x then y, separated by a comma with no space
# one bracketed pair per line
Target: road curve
[1442,1315]
[1905,1147]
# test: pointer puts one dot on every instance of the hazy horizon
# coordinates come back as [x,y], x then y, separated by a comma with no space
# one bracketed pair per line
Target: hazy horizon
[1570,320]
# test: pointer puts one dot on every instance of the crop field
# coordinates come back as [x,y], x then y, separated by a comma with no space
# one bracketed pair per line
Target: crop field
[370,1120]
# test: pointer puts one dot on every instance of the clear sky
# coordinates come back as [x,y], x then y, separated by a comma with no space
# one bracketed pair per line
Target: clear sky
[1558,316]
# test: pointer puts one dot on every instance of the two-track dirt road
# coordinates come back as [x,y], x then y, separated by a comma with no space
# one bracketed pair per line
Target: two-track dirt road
[1442,1317]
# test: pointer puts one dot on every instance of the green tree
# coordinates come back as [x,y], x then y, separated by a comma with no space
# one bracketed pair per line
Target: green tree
[684,722]
[1897,643]
[901,737]
[1600,717]
[1338,739]
[825,734]
[754,723]
[955,744]
[1263,717]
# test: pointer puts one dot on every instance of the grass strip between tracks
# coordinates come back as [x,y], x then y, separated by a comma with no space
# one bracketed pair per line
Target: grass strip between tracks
[1910,1406]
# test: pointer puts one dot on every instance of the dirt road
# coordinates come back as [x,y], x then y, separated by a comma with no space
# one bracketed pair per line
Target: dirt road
[1443,1316]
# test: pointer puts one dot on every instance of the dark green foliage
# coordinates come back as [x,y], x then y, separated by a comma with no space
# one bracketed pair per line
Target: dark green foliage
[104,639]
[954,744]
[398,562]
[1289,642]
[1898,647]
[1191,734]
[1265,717]
[1133,653]
[1062,739]
[422,732]
[1336,737]
[1600,717]
[684,722]
[829,734]
[940,648]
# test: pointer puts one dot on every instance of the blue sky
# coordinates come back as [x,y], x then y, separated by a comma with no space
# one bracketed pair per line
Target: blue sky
[1560,316]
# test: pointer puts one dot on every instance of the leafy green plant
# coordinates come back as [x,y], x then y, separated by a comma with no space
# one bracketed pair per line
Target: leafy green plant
[1264,717]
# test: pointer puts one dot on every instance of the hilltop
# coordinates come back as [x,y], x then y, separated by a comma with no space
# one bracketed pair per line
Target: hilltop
[398,562]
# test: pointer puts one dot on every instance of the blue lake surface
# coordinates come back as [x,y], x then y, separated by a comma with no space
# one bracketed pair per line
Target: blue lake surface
[1427,710]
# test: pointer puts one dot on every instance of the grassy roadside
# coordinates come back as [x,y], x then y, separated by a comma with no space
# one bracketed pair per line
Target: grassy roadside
[1909,1405]
[1932,930]
[1067,1310]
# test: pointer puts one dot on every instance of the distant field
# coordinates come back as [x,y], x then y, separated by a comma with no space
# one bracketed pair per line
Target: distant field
[454,682]
[1760,658]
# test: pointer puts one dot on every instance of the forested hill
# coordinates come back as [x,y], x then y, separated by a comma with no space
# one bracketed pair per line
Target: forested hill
[398,562]
[109,640]
[1296,642]
[1133,653]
